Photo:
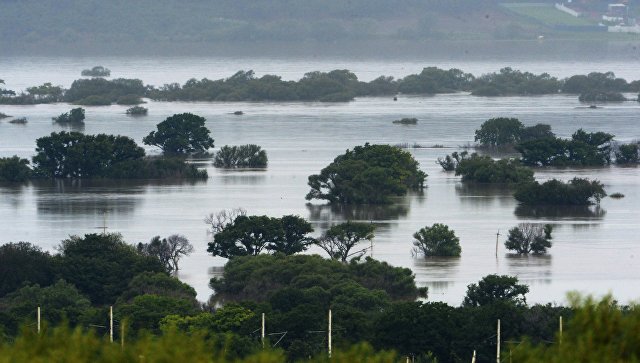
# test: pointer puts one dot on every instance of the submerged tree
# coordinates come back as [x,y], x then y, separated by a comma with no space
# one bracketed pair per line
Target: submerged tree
[501,131]
[243,156]
[75,116]
[529,238]
[451,162]
[367,174]
[183,133]
[437,240]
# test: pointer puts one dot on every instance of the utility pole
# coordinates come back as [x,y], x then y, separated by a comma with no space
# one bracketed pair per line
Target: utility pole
[498,347]
[38,318]
[473,358]
[329,335]
[111,324]
[560,329]
[263,331]
[497,236]
[104,223]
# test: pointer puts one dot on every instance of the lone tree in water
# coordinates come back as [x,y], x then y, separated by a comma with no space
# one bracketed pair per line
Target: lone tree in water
[499,131]
[437,240]
[183,133]
[368,174]
[529,238]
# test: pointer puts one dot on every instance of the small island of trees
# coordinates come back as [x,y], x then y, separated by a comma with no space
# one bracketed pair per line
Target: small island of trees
[97,71]
[242,156]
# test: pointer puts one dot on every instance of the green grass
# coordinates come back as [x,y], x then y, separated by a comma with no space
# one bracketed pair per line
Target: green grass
[546,14]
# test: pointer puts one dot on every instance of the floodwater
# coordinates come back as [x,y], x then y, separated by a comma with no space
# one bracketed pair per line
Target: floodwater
[596,250]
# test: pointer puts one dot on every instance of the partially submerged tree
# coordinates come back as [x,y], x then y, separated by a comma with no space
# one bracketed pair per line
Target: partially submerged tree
[168,250]
[339,240]
[529,238]
[628,154]
[577,191]
[437,240]
[75,116]
[451,162]
[500,131]
[183,133]
[243,156]
[367,174]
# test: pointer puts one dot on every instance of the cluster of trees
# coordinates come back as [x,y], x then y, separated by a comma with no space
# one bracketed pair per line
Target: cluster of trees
[85,275]
[369,174]
[75,155]
[483,169]
[137,111]
[507,132]
[242,156]
[334,86]
[577,191]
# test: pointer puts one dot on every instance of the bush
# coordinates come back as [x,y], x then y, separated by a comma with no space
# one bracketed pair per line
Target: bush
[437,240]
[554,192]
[483,169]
[243,156]
[406,121]
[137,111]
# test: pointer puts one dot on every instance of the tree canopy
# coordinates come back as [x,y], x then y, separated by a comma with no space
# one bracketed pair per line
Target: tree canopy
[577,191]
[529,238]
[183,133]
[437,240]
[367,174]
[496,288]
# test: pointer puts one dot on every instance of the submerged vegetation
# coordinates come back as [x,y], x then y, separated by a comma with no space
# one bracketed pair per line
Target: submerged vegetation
[577,191]
[97,71]
[242,156]
[137,111]
[75,116]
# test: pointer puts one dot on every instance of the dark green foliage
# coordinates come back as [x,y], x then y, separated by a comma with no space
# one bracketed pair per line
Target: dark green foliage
[434,80]
[499,131]
[496,289]
[3,115]
[129,100]
[595,82]
[156,168]
[137,111]
[101,266]
[99,91]
[601,96]
[243,156]
[509,82]
[483,169]
[339,240]
[437,240]
[250,235]
[529,238]
[256,278]
[146,311]
[367,174]
[15,169]
[75,116]
[538,131]
[97,71]
[406,121]
[59,302]
[626,154]
[554,192]
[450,162]
[583,149]
[183,133]
[75,155]
[23,263]
[157,283]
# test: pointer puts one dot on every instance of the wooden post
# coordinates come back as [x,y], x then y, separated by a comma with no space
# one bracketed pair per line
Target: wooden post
[111,324]
[263,331]
[38,318]
[498,346]
[329,334]
[560,330]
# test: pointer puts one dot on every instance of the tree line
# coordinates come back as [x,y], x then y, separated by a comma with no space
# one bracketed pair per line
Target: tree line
[333,86]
